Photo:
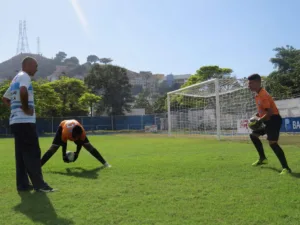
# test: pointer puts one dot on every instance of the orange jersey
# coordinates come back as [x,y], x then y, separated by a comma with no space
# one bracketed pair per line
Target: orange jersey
[67,128]
[265,101]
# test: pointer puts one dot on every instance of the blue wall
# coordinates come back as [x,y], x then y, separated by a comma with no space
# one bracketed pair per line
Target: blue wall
[47,125]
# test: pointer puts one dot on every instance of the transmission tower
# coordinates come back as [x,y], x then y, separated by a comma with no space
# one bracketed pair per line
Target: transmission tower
[38,46]
[19,38]
[23,46]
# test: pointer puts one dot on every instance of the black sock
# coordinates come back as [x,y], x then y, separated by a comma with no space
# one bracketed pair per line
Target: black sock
[49,154]
[97,155]
[280,155]
[46,157]
[259,147]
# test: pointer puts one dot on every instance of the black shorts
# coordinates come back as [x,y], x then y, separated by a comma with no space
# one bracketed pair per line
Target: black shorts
[58,141]
[272,129]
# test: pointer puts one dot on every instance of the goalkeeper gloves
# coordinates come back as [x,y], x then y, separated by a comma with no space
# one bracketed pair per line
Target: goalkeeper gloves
[255,123]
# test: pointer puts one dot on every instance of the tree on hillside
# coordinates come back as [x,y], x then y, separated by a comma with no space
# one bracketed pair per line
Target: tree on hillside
[79,70]
[60,57]
[72,61]
[284,81]
[113,84]
[92,59]
[206,73]
[105,60]
[286,59]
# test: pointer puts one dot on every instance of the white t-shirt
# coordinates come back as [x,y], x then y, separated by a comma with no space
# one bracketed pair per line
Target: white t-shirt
[13,93]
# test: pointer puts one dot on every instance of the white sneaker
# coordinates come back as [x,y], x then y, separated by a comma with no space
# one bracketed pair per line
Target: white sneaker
[107,165]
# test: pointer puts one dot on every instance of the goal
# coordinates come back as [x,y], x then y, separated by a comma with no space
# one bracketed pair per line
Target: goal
[217,107]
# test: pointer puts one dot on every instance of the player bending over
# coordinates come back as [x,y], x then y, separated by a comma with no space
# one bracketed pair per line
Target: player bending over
[71,130]
[269,115]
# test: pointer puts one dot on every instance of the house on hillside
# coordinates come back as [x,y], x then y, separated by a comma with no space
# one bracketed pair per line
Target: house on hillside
[176,79]
[60,70]
[145,79]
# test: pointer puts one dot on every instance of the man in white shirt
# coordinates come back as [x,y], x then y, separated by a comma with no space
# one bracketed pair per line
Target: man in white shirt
[19,97]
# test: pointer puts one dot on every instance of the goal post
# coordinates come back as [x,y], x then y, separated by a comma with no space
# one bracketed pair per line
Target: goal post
[217,107]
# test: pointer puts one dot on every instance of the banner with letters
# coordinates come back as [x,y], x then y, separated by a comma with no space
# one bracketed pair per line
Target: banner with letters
[290,124]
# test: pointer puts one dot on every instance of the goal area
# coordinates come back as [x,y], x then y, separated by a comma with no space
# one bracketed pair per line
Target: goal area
[217,107]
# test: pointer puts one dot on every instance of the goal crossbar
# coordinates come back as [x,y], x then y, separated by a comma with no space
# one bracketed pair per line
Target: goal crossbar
[191,86]
[210,95]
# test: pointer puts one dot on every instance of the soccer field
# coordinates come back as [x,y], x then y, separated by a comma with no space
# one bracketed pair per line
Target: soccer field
[156,180]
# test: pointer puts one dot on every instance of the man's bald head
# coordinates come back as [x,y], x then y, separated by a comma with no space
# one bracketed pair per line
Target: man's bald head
[29,65]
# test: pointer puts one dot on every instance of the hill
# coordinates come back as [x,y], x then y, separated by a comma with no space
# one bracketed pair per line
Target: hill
[9,67]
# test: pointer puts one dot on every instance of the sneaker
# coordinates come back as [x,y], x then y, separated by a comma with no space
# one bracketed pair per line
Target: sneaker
[107,165]
[285,171]
[260,162]
[46,189]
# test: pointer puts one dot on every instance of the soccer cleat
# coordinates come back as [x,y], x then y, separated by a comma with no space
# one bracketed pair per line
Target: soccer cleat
[107,165]
[260,162]
[46,189]
[285,171]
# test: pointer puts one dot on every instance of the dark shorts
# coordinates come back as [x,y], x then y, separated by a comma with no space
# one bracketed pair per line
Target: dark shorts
[272,129]
[58,141]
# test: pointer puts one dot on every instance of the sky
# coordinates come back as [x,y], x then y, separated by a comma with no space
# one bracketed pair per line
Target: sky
[162,36]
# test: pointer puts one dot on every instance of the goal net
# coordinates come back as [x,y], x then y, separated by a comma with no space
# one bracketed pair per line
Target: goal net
[217,107]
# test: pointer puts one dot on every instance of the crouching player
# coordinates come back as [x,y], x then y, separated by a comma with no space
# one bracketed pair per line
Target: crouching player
[268,114]
[71,130]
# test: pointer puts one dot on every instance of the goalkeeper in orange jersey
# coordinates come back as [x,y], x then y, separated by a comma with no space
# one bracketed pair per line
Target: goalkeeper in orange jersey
[268,116]
[71,130]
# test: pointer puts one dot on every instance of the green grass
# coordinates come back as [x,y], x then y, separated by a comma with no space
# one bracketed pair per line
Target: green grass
[156,180]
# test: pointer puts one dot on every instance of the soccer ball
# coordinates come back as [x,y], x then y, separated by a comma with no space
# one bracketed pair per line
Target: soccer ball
[70,156]
[254,126]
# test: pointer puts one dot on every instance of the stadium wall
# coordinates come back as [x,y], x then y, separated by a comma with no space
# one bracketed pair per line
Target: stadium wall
[92,124]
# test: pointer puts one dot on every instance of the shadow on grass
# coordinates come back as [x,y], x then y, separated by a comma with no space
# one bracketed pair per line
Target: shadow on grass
[293,174]
[80,172]
[271,168]
[38,207]
[296,175]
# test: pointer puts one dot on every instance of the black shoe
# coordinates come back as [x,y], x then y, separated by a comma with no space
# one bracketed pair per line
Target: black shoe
[27,188]
[46,189]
